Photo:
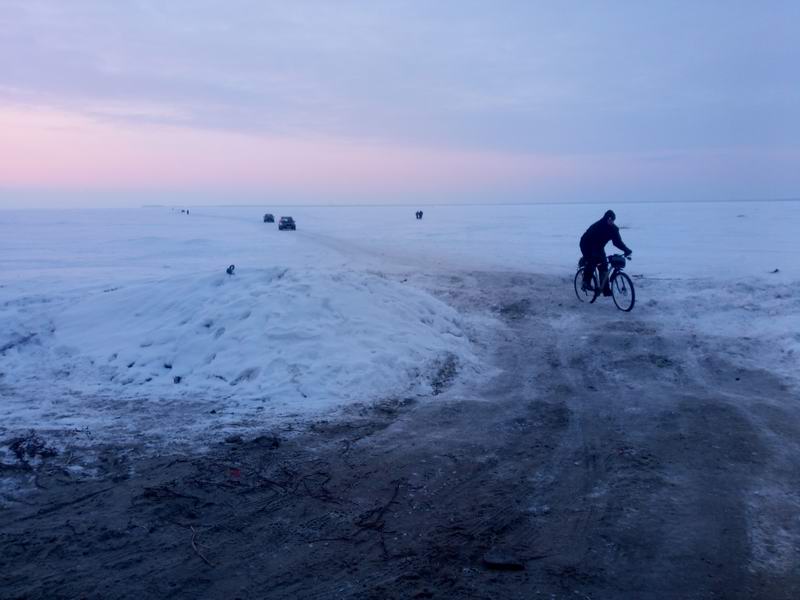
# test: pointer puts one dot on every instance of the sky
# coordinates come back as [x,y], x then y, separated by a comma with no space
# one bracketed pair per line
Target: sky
[348,102]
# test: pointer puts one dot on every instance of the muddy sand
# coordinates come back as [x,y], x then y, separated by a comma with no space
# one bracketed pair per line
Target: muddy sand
[609,458]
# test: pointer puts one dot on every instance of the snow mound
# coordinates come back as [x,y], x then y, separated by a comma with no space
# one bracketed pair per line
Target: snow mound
[312,338]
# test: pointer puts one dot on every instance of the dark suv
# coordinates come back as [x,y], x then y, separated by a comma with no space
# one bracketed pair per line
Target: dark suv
[269,218]
[287,223]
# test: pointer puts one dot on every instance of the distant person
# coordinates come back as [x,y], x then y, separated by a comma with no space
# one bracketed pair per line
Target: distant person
[420,214]
[593,248]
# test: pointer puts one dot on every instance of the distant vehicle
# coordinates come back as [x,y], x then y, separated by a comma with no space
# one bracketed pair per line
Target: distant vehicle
[269,218]
[287,223]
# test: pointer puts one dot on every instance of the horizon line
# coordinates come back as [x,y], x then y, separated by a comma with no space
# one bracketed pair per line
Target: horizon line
[406,205]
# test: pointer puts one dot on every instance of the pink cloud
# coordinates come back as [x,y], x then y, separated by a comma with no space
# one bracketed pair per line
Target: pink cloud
[47,149]
[56,149]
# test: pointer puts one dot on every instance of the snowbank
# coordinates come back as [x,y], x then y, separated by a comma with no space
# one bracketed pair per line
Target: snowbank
[309,339]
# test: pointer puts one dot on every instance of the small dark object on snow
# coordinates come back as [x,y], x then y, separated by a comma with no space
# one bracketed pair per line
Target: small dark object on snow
[775,271]
[213,411]
[234,439]
[498,561]
[272,442]
[31,446]
[176,379]
[230,269]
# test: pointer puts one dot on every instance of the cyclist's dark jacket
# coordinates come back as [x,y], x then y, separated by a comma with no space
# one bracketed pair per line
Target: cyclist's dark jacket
[594,240]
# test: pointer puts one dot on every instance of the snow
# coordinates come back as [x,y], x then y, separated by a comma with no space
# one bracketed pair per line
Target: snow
[125,322]
[278,333]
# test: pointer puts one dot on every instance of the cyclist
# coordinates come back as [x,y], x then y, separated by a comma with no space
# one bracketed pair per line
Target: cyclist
[593,244]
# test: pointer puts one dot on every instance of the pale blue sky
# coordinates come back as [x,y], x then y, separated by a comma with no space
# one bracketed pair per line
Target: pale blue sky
[628,100]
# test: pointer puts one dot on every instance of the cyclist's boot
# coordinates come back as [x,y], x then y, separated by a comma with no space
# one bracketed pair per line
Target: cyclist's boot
[587,286]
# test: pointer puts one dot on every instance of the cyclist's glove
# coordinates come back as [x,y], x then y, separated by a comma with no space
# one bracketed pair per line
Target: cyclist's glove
[628,253]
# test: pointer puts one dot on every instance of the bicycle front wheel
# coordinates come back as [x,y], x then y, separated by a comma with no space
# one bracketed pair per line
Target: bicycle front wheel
[622,291]
[584,295]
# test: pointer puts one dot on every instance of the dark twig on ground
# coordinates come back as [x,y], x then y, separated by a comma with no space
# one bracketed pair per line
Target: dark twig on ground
[60,505]
[196,549]
[162,491]
[374,518]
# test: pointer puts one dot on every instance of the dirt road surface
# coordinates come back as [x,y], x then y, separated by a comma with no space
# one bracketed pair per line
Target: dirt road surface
[607,458]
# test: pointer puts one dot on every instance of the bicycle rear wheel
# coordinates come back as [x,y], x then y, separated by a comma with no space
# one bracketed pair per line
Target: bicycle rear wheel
[584,296]
[622,291]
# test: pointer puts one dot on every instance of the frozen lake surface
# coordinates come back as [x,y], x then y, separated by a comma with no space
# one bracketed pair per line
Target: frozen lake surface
[108,316]
[707,240]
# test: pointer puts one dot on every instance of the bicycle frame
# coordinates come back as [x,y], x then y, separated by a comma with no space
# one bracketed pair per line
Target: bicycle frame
[611,271]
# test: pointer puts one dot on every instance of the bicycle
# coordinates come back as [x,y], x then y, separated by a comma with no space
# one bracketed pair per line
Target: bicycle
[622,291]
